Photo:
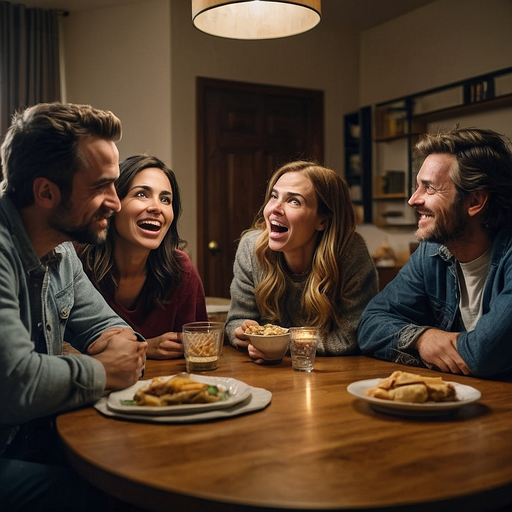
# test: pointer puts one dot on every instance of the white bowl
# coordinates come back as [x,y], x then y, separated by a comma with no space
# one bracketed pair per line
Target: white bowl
[273,346]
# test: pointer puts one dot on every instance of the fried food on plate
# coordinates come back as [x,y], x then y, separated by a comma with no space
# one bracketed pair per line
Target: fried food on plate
[410,387]
[180,389]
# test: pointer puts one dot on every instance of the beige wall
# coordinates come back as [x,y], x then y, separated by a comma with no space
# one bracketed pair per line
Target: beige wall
[141,60]
[120,59]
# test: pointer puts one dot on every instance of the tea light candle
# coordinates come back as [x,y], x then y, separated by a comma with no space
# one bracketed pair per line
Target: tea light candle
[304,334]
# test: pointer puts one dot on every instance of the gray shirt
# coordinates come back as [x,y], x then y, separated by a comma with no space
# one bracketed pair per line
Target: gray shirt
[361,284]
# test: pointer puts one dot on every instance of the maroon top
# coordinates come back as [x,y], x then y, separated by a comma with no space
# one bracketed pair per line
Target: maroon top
[186,304]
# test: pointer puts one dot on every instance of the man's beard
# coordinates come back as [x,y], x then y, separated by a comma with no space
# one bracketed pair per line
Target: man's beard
[83,234]
[448,227]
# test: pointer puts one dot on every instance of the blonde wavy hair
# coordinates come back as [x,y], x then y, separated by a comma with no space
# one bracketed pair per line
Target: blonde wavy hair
[324,287]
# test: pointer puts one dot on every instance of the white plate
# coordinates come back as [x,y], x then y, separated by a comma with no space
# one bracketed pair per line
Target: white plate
[258,400]
[465,395]
[238,392]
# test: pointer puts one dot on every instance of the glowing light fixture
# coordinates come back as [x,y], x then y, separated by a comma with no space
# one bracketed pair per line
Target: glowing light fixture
[255,19]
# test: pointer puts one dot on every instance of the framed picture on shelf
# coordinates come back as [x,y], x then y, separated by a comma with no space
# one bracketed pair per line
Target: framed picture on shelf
[394,182]
[354,164]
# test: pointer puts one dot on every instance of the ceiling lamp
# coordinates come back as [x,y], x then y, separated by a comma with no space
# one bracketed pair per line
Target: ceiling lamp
[255,19]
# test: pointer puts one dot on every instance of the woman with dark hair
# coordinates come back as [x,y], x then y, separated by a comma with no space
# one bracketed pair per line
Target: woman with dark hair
[141,269]
[302,262]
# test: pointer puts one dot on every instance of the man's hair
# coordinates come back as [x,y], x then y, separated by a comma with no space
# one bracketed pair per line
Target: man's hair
[43,141]
[484,161]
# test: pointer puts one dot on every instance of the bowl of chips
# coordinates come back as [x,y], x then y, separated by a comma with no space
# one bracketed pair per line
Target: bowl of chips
[270,339]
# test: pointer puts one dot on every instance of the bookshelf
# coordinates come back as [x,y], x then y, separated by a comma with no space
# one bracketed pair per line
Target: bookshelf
[399,123]
[358,161]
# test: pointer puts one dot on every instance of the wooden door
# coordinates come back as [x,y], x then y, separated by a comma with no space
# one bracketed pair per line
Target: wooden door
[245,131]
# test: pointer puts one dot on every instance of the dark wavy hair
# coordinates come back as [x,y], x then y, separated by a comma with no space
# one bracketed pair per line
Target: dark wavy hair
[43,141]
[163,264]
[484,161]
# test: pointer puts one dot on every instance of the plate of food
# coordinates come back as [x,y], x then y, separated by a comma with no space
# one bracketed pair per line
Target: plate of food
[179,394]
[413,394]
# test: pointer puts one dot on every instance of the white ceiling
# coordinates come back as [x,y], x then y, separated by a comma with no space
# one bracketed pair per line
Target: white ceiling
[359,14]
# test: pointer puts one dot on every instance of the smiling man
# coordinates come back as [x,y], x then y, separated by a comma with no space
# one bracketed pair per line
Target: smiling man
[450,306]
[59,163]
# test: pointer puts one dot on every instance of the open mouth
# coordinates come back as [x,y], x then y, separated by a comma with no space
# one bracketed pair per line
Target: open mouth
[422,215]
[276,227]
[149,225]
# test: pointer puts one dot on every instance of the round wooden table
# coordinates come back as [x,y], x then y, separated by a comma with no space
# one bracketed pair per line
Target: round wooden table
[315,447]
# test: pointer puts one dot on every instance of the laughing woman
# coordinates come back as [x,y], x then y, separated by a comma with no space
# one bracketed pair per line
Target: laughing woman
[302,263]
[142,270]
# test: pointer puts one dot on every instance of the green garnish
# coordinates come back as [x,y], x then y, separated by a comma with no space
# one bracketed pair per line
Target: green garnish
[215,391]
[212,390]
[128,402]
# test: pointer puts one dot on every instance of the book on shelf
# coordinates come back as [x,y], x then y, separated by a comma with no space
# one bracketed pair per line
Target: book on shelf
[479,90]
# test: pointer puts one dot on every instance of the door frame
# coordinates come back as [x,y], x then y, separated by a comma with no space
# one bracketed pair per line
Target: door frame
[205,84]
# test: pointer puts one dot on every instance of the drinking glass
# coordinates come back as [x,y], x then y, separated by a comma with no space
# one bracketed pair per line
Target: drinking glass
[303,343]
[202,344]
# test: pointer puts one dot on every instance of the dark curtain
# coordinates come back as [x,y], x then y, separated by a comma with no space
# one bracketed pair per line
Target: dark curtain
[29,59]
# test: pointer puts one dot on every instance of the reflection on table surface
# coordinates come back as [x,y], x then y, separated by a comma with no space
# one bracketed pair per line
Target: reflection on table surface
[315,447]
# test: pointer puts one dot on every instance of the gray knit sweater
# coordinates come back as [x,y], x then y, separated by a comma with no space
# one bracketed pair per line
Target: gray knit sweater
[361,280]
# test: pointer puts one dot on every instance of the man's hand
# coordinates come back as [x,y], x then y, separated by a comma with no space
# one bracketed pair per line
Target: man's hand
[122,356]
[438,349]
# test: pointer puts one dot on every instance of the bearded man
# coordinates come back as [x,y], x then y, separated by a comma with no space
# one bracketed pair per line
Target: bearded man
[59,163]
[449,308]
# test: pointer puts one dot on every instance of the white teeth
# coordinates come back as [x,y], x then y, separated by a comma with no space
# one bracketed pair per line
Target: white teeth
[152,222]
[275,223]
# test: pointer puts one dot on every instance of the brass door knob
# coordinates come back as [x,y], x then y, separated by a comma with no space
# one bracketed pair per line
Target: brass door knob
[213,246]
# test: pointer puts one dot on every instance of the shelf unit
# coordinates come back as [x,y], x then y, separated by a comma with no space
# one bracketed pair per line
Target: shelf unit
[394,135]
[358,161]
[399,123]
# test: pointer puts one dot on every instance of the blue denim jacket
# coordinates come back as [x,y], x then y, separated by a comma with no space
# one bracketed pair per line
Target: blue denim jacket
[34,385]
[425,294]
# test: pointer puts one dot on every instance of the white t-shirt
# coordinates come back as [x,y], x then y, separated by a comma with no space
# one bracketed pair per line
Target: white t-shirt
[472,276]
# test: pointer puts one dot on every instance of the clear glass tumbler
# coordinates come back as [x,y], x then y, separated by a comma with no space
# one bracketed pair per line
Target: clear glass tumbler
[303,343]
[202,344]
